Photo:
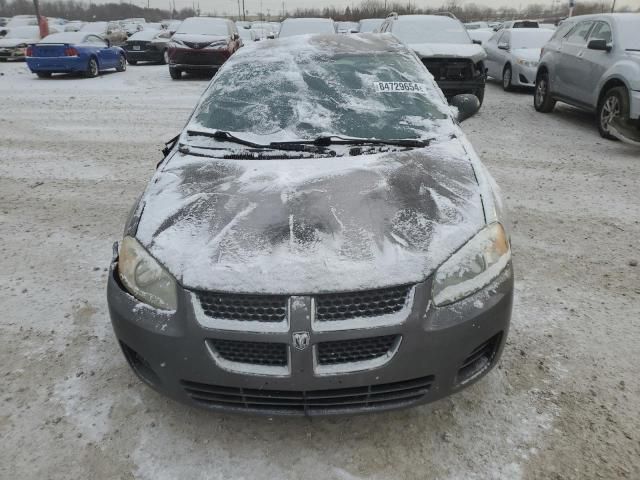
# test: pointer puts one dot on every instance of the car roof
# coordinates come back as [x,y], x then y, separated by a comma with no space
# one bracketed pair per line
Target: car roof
[616,17]
[429,18]
[66,37]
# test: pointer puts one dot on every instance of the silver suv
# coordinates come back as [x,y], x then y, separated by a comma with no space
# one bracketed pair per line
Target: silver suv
[593,62]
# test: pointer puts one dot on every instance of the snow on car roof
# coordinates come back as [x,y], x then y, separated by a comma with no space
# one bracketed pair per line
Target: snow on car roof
[23,32]
[146,34]
[66,37]
[303,26]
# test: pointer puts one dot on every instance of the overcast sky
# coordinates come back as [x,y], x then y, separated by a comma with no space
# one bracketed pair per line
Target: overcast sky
[275,6]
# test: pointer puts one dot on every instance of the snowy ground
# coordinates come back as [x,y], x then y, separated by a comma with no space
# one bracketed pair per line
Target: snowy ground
[564,403]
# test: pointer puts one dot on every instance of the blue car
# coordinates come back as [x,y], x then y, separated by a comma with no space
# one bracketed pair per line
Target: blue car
[74,52]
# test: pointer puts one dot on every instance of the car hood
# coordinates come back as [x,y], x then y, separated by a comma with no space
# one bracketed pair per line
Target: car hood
[529,54]
[455,50]
[12,42]
[198,38]
[312,225]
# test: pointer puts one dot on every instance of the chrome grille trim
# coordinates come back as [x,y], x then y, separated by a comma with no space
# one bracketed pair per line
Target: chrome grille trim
[352,367]
[249,368]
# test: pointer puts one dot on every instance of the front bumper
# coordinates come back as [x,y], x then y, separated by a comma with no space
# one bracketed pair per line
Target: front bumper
[524,76]
[12,53]
[169,352]
[197,59]
[150,55]
[451,88]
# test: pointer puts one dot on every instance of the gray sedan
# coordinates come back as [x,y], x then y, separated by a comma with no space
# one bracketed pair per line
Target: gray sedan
[321,239]
[513,55]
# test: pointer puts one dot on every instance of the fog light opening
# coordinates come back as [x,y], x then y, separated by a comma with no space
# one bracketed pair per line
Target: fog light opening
[479,361]
[139,365]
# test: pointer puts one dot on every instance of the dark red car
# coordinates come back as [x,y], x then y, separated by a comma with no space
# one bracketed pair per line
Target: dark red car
[202,44]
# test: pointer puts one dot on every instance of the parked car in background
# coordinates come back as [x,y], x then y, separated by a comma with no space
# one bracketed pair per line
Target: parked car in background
[593,62]
[74,52]
[132,27]
[108,30]
[369,25]
[202,44]
[256,34]
[513,55]
[445,48]
[74,26]
[305,264]
[3,21]
[242,24]
[13,46]
[152,26]
[518,24]
[148,46]
[481,35]
[304,26]
[344,28]
[476,25]
[270,29]
[245,34]
[22,21]
[173,26]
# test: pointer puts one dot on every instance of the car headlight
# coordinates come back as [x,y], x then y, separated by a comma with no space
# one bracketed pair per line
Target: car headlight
[22,45]
[527,63]
[218,44]
[472,267]
[144,277]
[176,43]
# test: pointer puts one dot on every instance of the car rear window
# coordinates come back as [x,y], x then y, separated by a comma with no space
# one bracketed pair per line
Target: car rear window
[305,97]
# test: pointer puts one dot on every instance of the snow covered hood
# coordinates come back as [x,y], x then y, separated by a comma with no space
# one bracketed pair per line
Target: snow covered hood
[456,50]
[310,225]
[530,54]
[14,42]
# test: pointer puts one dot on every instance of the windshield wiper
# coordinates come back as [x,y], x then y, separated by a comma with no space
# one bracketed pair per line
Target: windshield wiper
[223,136]
[326,141]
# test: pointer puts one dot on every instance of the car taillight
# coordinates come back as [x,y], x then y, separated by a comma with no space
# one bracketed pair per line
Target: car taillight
[29,51]
[70,52]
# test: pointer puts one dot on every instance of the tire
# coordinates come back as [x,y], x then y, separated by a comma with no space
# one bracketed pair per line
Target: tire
[507,77]
[542,99]
[175,73]
[165,57]
[122,64]
[132,62]
[43,74]
[93,70]
[615,102]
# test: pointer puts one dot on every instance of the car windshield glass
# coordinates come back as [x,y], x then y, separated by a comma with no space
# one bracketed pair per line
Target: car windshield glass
[23,32]
[383,95]
[436,30]
[530,37]
[629,34]
[204,26]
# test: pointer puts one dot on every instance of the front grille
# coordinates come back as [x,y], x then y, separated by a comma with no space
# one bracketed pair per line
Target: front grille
[371,303]
[449,69]
[479,360]
[358,350]
[248,308]
[253,353]
[370,397]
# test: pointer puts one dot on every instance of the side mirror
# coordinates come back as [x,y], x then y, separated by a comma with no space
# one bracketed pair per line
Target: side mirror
[236,36]
[599,45]
[467,105]
[477,42]
[503,46]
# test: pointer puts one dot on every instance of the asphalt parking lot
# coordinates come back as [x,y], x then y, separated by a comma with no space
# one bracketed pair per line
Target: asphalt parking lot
[563,404]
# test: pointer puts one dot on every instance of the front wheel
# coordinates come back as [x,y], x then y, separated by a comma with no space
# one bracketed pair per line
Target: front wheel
[542,99]
[614,103]
[92,68]
[122,64]
[507,77]
[175,73]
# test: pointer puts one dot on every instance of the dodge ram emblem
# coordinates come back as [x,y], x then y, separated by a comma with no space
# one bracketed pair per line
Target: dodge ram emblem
[301,340]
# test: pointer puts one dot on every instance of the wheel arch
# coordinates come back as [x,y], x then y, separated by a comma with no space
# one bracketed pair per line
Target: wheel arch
[608,85]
